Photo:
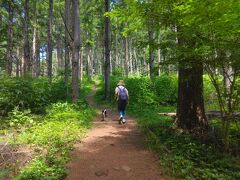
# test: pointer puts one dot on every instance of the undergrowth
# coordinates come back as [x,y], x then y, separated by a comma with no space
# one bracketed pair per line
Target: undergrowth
[53,138]
[180,154]
[38,115]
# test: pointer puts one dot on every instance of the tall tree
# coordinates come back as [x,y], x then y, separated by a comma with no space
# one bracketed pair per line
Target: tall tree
[75,50]
[107,52]
[151,50]
[27,66]
[35,42]
[59,53]
[190,106]
[67,42]
[9,53]
[126,62]
[49,43]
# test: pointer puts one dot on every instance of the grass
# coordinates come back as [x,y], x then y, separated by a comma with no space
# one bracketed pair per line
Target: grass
[53,138]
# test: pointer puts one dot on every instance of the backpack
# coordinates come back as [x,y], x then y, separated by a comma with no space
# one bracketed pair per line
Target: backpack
[122,94]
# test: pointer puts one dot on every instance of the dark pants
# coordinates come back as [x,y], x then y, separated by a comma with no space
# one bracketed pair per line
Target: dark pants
[121,107]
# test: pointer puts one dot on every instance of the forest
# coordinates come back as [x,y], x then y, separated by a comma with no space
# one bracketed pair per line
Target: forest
[180,63]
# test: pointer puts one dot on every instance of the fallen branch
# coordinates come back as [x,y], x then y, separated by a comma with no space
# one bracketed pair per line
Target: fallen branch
[172,114]
[209,114]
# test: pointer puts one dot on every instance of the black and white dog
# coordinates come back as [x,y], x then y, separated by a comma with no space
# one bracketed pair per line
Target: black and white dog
[104,114]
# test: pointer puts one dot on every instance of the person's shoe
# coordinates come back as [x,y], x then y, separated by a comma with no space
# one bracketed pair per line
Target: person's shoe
[123,121]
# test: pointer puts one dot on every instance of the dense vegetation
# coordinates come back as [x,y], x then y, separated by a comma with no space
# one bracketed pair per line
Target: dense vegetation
[37,116]
[180,56]
[180,153]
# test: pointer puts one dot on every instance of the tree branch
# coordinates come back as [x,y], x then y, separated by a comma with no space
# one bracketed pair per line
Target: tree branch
[64,21]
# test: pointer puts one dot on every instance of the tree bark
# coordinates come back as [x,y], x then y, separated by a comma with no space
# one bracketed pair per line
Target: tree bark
[67,43]
[35,41]
[89,62]
[130,57]
[159,57]
[116,63]
[81,65]
[27,66]
[49,44]
[137,63]
[59,53]
[107,53]
[190,107]
[9,53]
[18,62]
[126,63]
[38,63]
[151,52]
[75,50]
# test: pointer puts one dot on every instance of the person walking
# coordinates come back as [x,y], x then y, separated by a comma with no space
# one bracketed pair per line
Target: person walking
[122,97]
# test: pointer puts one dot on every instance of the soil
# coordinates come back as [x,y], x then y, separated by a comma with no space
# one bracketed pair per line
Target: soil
[112,151]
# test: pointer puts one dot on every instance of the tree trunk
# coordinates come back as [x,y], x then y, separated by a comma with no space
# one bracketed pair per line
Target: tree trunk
[137,63]
[49,43]
[34,42]
[151,52]
[107,53]
[81,65]
[67,43]
[130,57]
[21,63]
[38,63]
[27,66]
[126,57]
[18,62]
[229,83]
[190,107]
[59,53]
[159,57]
[122,56]
[75,50]
[116,51]
[145,64]
[9,53]
[115,64]
[93,62]
[89,63]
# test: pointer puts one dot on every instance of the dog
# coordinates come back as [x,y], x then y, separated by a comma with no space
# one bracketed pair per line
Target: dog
[104,114]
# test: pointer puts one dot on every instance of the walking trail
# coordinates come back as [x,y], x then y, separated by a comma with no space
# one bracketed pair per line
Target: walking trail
[113,152]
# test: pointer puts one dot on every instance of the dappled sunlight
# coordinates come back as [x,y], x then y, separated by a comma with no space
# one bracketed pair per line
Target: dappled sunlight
[113,151]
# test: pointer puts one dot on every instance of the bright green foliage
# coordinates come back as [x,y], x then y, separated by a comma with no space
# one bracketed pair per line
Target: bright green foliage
[53,138]
[166,89]
[161,90]
[140,90]
[51,135]
[180,154]
[39,170]
[19,119]
[27,93]
[210,96]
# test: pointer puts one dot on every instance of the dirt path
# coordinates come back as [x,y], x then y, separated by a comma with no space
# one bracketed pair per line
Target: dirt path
[113,152]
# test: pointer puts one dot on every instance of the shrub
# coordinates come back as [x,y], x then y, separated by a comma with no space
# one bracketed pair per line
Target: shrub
[39,170]
[28,93]
[166,89]
[53,138]
[210,96]
[143,90]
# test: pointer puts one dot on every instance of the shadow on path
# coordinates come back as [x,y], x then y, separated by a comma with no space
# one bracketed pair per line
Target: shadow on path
[113,152]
